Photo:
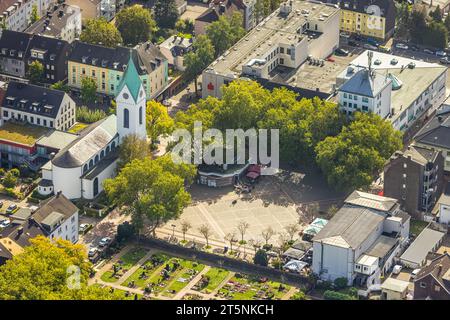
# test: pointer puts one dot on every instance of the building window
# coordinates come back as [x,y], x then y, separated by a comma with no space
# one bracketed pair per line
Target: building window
[140,115]
[85,168]
[423,285]
[91,164]
[126,118]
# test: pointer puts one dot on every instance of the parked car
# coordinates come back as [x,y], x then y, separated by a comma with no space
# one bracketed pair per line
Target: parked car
[373,42]
[341,52]
[441,53]
[83,227]
[414,273]
[5,223]
[344,35]
[353,43]
[401,46]
[444,60]
[428,51]
[369,46]
[413,47]
[384,49]
[104,242]
[11,208]
[92,252]
[397,269]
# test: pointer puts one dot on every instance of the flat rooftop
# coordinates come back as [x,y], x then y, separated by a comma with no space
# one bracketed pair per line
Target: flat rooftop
[274,29]
[414,81]
[57,139]
[22,133]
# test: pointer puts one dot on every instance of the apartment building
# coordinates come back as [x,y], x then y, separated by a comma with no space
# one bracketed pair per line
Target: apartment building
[18,50]
[15,15]
[415,178]
[95,8]
[361,241]
[399,89]
[274,51]
[370,18]
[61,21]
[107,66]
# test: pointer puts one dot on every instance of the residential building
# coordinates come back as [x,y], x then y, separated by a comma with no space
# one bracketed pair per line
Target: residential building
[415,178]
[107,66]
[226,8]
[427,241]
[61,21]
[274,53]
[174,49]
[95,8]
[79,169]
[433,281]
[442,208]
[370,18]
[361,241]
[399,89]
[39,106]
[394,289]
[15,15]
[18,50]
[435,134]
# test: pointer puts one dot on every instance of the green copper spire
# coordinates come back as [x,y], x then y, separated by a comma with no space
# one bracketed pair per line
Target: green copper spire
[131,78]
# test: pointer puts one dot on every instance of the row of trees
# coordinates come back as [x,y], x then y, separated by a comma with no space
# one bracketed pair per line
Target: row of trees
[413,23]
[312,132]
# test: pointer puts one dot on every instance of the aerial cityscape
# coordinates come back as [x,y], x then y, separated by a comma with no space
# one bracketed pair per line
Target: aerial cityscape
[230,150]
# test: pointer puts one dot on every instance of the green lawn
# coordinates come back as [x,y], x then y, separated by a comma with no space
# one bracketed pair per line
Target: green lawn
[417,226]
[182,276]
[108,277]
[128,260]
[149,269]
[216,276]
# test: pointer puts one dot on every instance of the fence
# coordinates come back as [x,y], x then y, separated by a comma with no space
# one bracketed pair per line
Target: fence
[229,263]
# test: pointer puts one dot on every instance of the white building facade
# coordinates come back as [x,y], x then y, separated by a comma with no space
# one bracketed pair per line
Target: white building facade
[16,16]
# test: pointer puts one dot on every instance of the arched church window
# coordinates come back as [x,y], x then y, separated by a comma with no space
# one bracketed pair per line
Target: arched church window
[91,163]
[96,158]
[107,149]
[102,154]
[140,115]
[113,145]
[85,168]
[126,118]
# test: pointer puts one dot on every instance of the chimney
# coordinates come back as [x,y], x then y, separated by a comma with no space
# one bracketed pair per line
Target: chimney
[58,193]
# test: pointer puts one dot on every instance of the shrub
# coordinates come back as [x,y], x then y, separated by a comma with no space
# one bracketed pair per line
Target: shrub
[334,295]
[261,258]
[84,114]
[340,283]
[125,231]
[10,192]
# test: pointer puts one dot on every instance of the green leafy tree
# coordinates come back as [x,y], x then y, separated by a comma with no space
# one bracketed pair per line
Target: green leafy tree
[132,147]
[135,24]
[60,85]
[34,14]
[151,191]
[165,13]
[340,283]
[100,31]
[417,25]
[185,26]
[11,178]
[260,258]
[436,14]
[436,35]
[403,21]
[158,121]
[35,72]
[351,159]
[198,59]
[88,90]
[225,32]
[334,295]
[45,270]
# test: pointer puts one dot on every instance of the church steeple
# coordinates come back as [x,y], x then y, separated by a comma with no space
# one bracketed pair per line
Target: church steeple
[131,78]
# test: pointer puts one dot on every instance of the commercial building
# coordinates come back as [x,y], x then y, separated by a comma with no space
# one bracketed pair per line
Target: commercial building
[273,52]
[361,240]
[39,106]
[15,15]
[415,178]
[370,18]
[399,89]
[61,21]
[79,169]
[107,66]
[427,241]
[18,50]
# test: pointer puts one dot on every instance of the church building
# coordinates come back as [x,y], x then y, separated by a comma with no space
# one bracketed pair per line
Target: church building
[78,170]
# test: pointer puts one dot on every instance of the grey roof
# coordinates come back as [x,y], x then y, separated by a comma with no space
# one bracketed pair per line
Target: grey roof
[302,245]
[102,165]
[294,253]
[381,247]
[22,231]
[90,142]
[56,204]
[424,243]
[436,132]
[52,218]
[350,226]
[22,214]
[421,155]
[33,99]
[363,84]
[369,200]
[57,139]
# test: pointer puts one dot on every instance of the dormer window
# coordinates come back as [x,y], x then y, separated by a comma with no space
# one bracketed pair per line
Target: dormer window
[12,53]
[52,57]
[104,63]
[20,54]
[116,65]
[84,59]
[94,61]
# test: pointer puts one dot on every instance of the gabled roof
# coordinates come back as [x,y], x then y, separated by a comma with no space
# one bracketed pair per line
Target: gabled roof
[56,207]
[372,201]
[439,268]
[364,84]
[131,79]
[436,132]
[422,245]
